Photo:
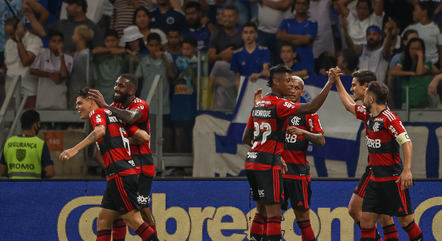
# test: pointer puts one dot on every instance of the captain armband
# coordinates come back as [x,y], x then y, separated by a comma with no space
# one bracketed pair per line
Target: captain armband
[402,138]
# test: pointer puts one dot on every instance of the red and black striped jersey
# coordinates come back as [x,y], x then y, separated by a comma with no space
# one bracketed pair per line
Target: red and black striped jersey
[114,145]
[142,154]
[384,132]
[268,121]
[295,149]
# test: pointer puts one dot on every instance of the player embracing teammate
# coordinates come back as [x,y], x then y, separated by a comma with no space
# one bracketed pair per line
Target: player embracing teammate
[265,133]
[386,190]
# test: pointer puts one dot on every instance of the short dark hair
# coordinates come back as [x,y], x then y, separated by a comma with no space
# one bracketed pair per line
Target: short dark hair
[83,93]
[191,40]
[52,33]
[153,36]
[277,69]
[351,58]
[193,4]
[308,3]
[380,90]
[370,7]
[427,6]
[250,24]
[111,32]
[231,7]
[81,3]
[285,43]
[174,29]
[28,118]
[142,8]
[364,76]
[131,77]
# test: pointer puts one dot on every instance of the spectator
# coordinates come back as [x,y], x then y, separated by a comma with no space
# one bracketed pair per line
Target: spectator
[124,11]
[17,7]
[291,60]
[80,72]
[52,68]
[20,51]
[320,10]
[184,89]
[413,64]
[435,90]
[358,21]
[76,11]
[166,18]
[26,156]
[270,15]
[406,36]
[375,55]
[251,60]
[108,63]
[141,19]
[224,42]
[97,10]
[194,27]
[348,61]
[248,10]
[300,31]
[428,31]
[173,46]
[395,86]
[132,41]
[157,63]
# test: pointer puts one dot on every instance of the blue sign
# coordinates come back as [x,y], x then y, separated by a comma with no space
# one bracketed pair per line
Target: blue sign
[191,210]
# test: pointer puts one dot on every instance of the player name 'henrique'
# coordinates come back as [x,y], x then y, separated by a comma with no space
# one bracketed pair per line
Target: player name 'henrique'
[262,113]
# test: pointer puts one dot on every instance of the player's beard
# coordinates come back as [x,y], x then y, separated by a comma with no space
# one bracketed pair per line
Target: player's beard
[122,98]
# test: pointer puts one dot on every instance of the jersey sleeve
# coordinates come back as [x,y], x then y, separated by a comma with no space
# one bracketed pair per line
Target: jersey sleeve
[283,25]
[143,108]
[46,157]
[286,108]
[314,124]
[395,127]
[97,117]
[313,30]
[250,122]
[131,130]
[360,112]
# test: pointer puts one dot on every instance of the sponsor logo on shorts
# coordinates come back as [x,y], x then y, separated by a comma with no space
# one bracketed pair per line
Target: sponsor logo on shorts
[143,200]
[261,193]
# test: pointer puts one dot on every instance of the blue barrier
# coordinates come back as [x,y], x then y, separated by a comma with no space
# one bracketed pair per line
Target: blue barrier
[190,210]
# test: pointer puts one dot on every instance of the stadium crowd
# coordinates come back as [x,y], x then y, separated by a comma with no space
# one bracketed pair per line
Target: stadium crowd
[58,47]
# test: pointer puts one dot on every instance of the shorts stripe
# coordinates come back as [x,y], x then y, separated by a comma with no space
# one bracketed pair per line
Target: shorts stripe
[304,191]
[361,191]
[123,193]
[402,196]
[276,184]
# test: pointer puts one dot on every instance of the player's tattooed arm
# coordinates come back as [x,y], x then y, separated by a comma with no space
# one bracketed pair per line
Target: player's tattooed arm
[406,178]
[96,134]
[127,116]
[247,136]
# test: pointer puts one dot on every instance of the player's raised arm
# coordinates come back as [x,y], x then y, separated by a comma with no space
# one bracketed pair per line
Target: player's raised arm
[127,116]
[346,99]
[316,103]
[96,134]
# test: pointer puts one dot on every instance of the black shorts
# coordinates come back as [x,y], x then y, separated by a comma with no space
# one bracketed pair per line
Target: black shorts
[144,189]
[299,191]
[363,182]
[121,194]
[387,198]
[265,186]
